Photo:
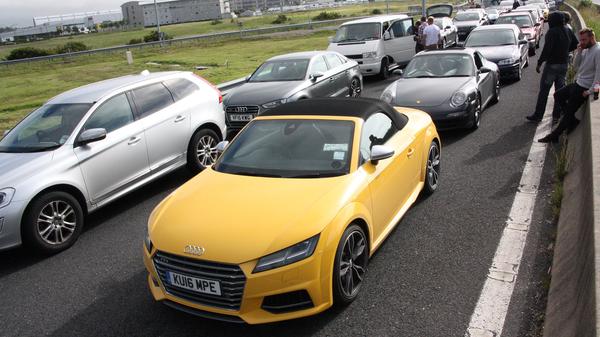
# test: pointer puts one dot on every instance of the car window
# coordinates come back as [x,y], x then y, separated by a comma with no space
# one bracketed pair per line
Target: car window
[181,88]
[151,98]
[376,130]
[319,65]
[402,28]
[333,60]
[111,115]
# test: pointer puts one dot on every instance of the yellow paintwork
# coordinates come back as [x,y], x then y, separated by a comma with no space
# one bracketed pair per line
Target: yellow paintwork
[238,219]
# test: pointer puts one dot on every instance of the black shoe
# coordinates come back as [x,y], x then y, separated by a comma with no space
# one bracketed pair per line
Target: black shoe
[573,126]
[555,120]
[534,118]
[548,139]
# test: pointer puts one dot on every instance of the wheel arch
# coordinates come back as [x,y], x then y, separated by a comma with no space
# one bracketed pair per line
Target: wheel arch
[211,126]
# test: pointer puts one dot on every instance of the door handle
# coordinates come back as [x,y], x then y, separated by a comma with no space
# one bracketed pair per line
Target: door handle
[179,118]
[410,152]
[134,140]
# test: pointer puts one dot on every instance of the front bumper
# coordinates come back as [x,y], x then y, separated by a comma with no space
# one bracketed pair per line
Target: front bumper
[308,276]
[509,71]
[369,66]
[10,224]
[445,117]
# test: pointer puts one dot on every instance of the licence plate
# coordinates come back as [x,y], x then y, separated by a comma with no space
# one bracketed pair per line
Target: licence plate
[241,117]
[195,284]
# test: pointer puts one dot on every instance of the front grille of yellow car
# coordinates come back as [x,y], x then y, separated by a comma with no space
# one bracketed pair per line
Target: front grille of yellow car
[231,278]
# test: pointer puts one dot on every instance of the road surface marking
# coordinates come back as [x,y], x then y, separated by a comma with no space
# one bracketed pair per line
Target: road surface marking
[491,309]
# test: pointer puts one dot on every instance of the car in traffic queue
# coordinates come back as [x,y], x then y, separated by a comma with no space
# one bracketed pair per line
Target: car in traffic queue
[505,5]
[317,187]
[442,18]
[492,14]
[532,30]
[91,145]
[536,12]
[542,5]
[503,44]
[379,44]
[288,78]
[453,86]
[466,21]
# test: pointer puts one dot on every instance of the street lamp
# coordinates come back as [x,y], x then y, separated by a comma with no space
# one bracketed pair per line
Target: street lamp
[158,23]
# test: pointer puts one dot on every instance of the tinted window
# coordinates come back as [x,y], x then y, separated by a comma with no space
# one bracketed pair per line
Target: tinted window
[402,28]
[496,37]
[151,98]
[318,66]
[180,87]
[467,16]
[358,32]
[376,130]
[522,20]
[333,60]
[112,115]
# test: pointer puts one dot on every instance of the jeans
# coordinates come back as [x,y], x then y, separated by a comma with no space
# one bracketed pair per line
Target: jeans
[553,74]
[570,99]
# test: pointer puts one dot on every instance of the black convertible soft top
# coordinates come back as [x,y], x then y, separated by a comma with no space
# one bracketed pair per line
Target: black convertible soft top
[351,107]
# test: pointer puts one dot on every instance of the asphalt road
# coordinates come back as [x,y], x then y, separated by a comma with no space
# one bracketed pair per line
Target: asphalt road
[424,281]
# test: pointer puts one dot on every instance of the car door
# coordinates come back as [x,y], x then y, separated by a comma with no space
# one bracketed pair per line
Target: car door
[392,180]
[485,81]
[339,75]
[166,125]
[121,159]
[320,87]
[401,46]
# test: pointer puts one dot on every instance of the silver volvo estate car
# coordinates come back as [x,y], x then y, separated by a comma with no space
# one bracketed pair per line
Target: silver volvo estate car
[90,145]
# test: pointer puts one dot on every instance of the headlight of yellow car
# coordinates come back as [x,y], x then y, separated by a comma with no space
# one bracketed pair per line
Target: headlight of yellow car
[295,253]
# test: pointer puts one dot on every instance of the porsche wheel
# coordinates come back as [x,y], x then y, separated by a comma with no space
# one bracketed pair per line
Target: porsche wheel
[384,73]
[476,115]
[432,169]
[496,97]
[351,259]
[355,87]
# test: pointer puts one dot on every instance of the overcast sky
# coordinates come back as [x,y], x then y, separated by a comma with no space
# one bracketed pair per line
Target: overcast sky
[21,12]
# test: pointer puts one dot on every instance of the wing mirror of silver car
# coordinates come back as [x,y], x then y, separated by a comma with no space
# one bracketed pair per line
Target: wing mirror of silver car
[380,152]
[90,136]
[484,70]
[316,76]
[222,146]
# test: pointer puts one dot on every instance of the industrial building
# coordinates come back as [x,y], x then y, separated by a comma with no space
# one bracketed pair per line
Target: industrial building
[88,19]
[143,14]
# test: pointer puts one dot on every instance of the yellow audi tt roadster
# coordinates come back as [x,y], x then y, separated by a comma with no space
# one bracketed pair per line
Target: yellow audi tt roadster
[283,224]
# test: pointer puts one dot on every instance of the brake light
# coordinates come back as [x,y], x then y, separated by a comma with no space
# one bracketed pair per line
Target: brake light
[212,86]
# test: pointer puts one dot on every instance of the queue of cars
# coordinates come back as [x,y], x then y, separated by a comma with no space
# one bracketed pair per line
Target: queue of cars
[319,177]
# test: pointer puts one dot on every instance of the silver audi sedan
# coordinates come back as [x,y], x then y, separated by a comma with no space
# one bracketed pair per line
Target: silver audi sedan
[288,78]
[90,145]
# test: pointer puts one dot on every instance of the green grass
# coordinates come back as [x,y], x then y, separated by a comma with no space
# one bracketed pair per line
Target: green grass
[590,15]
[115,38]
[26,86]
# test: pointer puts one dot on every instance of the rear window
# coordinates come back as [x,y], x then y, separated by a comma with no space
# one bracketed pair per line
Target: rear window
[181,88]
[151,98]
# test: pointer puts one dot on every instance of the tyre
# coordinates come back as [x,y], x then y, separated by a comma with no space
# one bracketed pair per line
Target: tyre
[52,222]
[496,98]
[476,115]
[526,62]
[519,73]
[350,266]
[432,169]
[384,72]
[202,150]
[355,88]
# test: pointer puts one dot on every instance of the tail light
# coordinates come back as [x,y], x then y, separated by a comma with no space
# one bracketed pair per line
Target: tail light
[212,86]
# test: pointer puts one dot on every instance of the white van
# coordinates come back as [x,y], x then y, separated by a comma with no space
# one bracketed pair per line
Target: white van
[379,44]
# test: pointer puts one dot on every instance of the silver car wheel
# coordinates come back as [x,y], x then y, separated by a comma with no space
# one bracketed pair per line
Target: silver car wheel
[207,150]
[56,222]
[353,263]
[433,166]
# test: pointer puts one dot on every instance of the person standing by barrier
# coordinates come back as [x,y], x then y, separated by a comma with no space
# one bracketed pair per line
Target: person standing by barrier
[420,36]
[558,44]
[431,34]
[571,97]
[418,43]
[516,4]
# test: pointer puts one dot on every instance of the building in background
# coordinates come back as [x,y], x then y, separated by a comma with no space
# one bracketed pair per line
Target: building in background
[143,14]
[87,19]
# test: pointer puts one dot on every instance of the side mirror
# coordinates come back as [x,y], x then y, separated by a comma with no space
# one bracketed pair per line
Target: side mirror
[387,36]
[523,42]
[484,70]
[380,152]
[90,136]
[315,76]
[537,24]
[397,72]
[222,146]
[330,39]
[448,27]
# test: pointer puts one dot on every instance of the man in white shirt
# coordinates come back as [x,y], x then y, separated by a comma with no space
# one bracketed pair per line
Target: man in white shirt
[431,34]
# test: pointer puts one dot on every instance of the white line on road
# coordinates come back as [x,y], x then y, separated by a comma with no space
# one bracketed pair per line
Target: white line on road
[490,313]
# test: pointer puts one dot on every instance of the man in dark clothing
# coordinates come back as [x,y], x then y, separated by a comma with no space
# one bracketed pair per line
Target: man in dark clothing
[560,41]
[516,4]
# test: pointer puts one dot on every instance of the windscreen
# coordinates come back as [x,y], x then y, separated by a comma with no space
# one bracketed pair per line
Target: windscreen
[440,65]
[45,129]
[358,32]
[522,21]
[466,16]
[487,38]
[281,70]
[290,148]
